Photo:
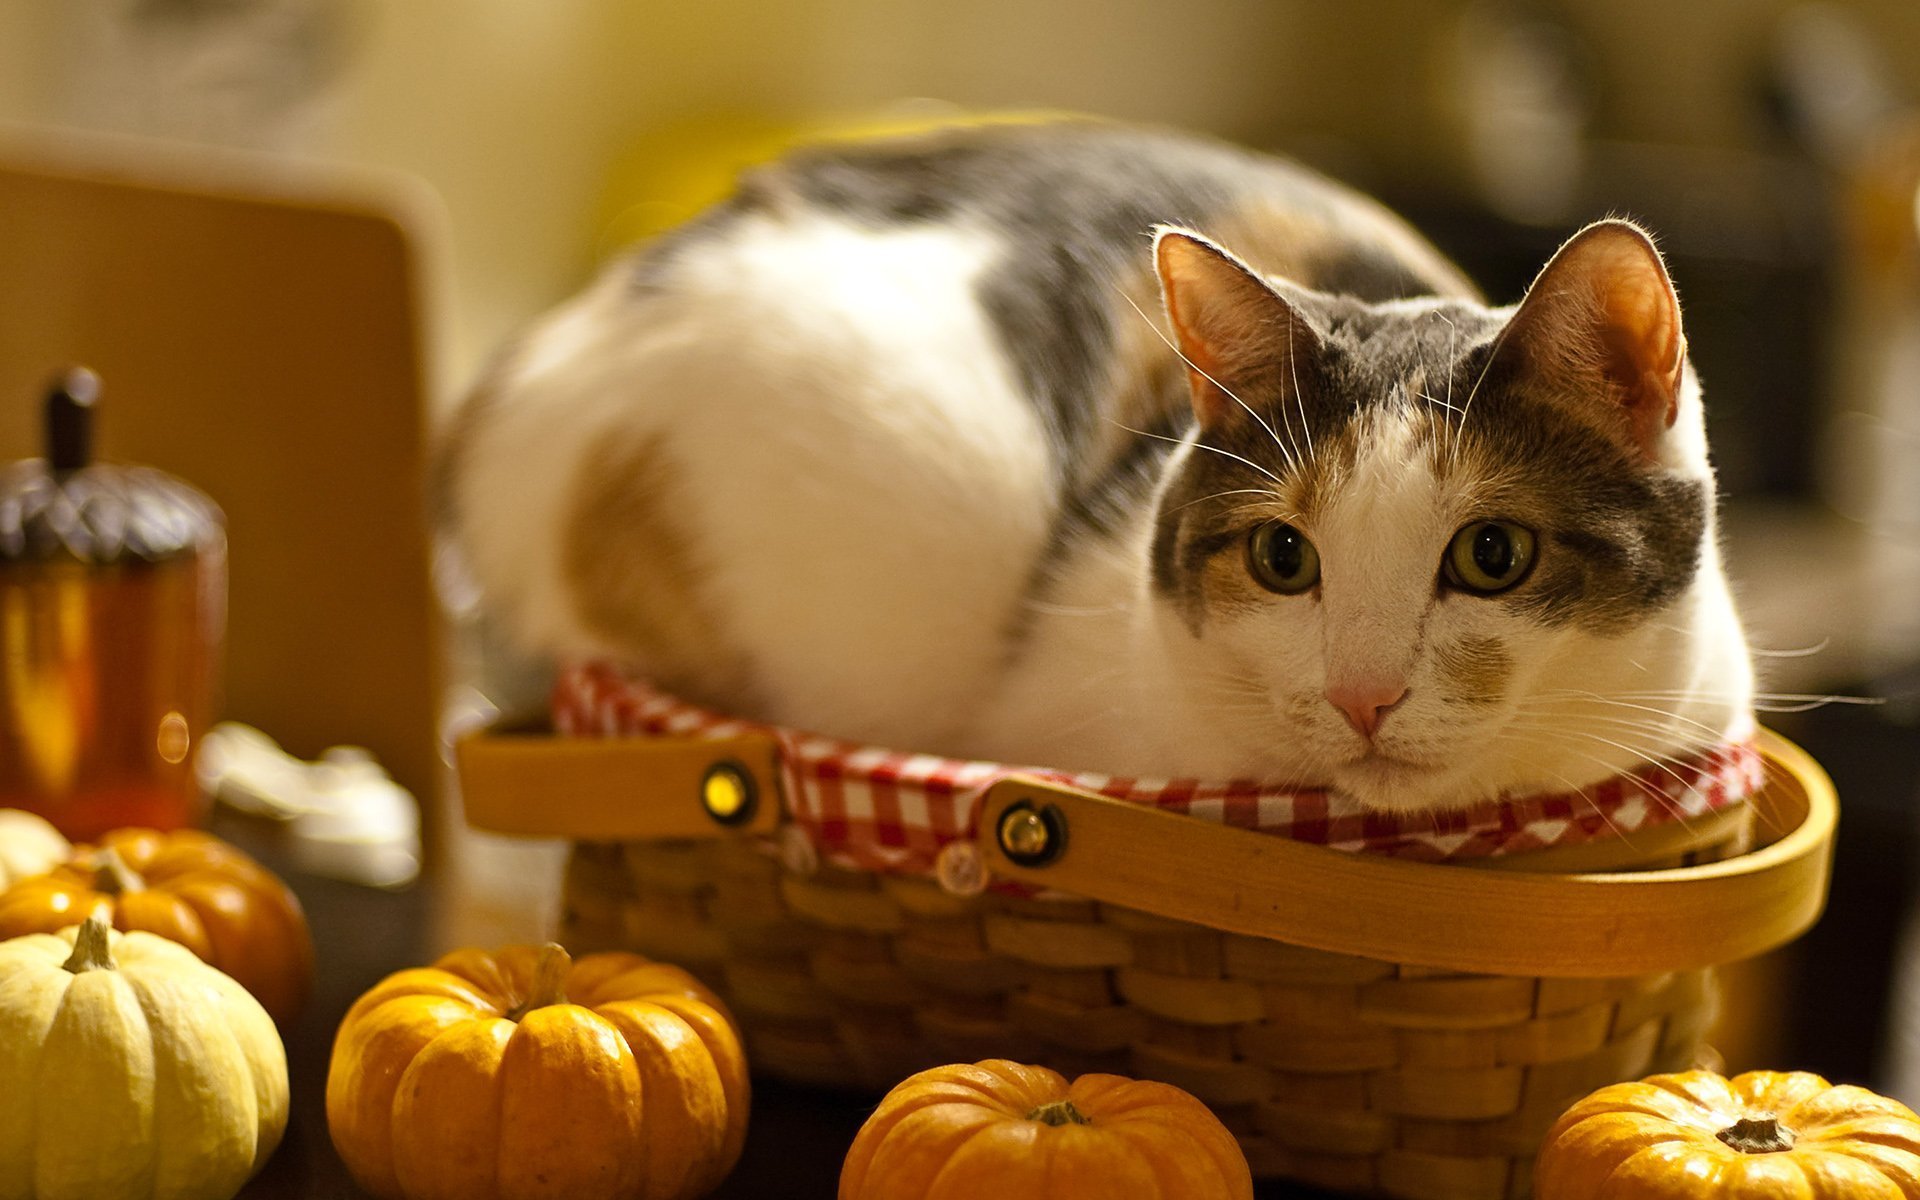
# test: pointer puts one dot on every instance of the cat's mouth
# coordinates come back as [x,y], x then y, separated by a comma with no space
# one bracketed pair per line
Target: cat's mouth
[1375,757]
[1384,781]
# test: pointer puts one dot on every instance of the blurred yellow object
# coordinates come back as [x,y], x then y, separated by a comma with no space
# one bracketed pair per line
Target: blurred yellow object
[670,174]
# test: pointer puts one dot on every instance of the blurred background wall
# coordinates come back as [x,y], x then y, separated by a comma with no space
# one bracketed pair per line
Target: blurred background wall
[518,112]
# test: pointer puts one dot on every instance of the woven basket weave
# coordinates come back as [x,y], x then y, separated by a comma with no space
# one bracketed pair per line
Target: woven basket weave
[1361,1024]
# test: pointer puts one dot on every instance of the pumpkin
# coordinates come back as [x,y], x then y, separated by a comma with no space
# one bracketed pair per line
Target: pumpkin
[190,888]
[1004,1131]
[28,846]
[1762,1134]
[131,1069]
[520,1073]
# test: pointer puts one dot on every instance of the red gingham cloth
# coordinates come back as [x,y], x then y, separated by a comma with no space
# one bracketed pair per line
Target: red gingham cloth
[882,810]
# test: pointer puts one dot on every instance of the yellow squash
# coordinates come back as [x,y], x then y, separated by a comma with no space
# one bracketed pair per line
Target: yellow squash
[1765,1134]
[130,1069]
[519,1074]
[28,846]
[998,1130]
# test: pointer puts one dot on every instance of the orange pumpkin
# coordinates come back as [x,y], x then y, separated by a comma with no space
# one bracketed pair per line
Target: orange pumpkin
[517,1073]
[1762,1134]
[187,887]
[1002,1131]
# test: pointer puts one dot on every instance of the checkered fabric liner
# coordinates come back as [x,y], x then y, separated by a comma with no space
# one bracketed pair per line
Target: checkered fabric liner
[881,810]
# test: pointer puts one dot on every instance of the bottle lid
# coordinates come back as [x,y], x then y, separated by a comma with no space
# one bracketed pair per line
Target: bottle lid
[66,507]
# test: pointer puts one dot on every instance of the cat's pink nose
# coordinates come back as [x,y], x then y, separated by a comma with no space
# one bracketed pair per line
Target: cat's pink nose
[1365,702]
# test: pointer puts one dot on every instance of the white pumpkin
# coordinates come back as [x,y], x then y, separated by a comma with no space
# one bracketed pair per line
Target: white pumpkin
[131,1070]
[28,846]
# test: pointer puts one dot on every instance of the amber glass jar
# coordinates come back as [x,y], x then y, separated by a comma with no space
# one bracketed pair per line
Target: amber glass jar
[112,610]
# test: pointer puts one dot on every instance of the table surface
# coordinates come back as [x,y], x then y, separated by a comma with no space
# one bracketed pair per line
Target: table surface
[795,1142]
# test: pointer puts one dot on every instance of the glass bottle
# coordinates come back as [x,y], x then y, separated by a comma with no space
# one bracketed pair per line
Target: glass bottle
[112,611]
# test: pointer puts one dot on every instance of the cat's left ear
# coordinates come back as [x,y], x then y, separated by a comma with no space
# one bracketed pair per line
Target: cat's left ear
[1601,323]
[1234,330]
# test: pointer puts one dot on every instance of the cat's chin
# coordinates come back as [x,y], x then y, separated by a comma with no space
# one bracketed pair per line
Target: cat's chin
[1384,784]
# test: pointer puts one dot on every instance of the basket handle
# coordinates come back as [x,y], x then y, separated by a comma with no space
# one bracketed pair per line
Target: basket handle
[1449,917]
[619,789]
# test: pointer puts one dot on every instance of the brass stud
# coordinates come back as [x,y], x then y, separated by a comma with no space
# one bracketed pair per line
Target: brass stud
[1032,837]
[728,793]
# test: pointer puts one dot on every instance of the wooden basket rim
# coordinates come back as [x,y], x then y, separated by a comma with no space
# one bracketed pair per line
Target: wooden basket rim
[1448,916]
[1451,916]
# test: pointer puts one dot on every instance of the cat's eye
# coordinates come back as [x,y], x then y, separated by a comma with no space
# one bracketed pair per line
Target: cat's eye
[1487,557]
[1281,559]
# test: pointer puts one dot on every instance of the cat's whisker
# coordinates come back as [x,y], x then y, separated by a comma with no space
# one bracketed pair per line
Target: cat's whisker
[1798,652]
[1706,738]
[1453,337]
[1762,801]
[1761,700]
[1767,702]
[1684,742]
[1652,758]
[1576,790]
[1067,610]
[1818,647]
[1200,445]
[1598,698]
[1493,353]
[1299,398]
[1286,423]
[1275,505]
[1268,492]
[1159,333]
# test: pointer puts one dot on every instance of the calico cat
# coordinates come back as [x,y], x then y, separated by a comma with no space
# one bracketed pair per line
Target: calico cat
[1120,450]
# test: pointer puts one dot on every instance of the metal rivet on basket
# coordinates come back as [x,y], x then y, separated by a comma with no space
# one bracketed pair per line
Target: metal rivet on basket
[1032,837]
[728,793]
[958,869]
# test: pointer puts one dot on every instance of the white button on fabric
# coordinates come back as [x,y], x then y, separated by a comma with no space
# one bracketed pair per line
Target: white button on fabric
[959,870]
[797,852]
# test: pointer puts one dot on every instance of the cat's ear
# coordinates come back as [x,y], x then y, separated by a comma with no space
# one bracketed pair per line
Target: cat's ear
[1601,324]
[1228,323]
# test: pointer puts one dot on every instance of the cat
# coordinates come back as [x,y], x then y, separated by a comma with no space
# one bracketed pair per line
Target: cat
[1120,450]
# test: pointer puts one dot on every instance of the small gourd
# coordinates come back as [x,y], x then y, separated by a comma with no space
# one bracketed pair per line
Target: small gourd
[187,887]
[28,846]
[1762,1134]
[998,1130]
[521,1074]
[130,1069]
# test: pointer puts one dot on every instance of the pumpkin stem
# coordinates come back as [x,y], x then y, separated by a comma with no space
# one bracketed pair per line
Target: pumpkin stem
[1058,1112]
[112,875]
[549,980]
[90,949]
[1763,1136]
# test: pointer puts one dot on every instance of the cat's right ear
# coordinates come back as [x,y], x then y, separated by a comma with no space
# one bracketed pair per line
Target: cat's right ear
[1232,328]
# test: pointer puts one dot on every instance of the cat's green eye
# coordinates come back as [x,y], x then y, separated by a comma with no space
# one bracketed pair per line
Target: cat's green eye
[1281,559]
[1487,557]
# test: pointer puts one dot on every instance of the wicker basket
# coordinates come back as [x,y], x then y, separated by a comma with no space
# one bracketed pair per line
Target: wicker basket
[1360,1023]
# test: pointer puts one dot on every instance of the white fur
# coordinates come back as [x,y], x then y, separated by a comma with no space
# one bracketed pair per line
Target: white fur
[862,512]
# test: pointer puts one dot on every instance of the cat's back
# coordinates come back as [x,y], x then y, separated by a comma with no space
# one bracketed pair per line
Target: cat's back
[1046,228]
[811,444]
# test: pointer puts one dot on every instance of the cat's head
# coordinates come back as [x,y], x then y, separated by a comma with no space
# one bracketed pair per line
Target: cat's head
[1430,552]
